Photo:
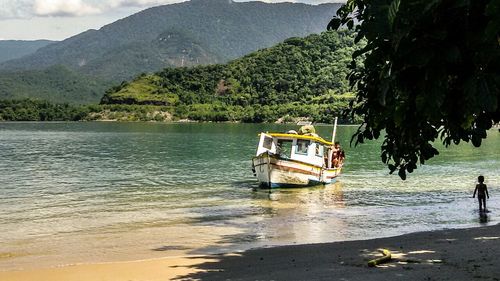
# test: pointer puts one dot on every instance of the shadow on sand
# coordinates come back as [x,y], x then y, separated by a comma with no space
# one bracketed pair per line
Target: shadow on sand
[460,254]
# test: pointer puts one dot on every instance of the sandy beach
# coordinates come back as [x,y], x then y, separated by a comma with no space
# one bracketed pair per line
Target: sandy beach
[457,254]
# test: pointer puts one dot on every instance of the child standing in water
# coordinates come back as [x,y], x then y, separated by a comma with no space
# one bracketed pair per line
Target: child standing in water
[482,192]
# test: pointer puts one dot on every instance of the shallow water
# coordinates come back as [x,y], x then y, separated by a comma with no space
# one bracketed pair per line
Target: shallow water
[93,192]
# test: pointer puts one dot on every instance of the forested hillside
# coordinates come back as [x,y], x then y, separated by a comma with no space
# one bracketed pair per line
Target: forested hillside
[301,77]
[13,49]
[54,84]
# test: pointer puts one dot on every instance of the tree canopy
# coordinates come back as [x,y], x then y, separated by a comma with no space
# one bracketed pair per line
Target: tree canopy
[430,70]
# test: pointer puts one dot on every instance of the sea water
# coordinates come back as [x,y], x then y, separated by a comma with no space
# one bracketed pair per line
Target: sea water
[99,192]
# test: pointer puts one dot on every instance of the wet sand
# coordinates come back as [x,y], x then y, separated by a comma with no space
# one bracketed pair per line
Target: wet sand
[459,254]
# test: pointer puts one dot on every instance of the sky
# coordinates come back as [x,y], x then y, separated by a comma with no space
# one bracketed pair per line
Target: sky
[60,19]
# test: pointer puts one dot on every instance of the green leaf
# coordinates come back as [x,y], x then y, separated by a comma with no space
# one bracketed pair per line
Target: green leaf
[393,11]
[360,139]
[334,24]
[383,156]
[350,24]
[402,173]
[392,168]
[476,140]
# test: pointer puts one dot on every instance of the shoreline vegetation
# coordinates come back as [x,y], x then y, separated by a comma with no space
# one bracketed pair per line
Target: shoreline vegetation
[450,254]
[38,110]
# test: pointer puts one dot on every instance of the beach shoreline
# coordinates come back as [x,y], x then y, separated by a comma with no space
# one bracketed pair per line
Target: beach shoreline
[450,254]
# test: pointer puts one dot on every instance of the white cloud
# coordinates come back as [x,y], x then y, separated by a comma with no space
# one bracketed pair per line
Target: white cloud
[140,3]
[10,9]
[64,8]
[15,9]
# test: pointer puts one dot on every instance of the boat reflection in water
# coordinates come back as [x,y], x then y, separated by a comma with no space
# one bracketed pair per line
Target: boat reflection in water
[301,215]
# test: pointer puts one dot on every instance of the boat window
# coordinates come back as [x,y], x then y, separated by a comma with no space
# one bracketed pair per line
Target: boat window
[285,148]
[302,146]
[319,150]
[267,143]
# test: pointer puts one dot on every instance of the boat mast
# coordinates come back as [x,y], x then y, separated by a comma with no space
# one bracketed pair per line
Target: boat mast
[334,130]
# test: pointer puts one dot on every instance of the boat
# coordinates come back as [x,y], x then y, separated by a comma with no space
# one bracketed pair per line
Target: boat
[296,159]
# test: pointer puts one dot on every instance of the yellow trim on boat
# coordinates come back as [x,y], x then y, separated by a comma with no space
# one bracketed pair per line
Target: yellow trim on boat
[302,137]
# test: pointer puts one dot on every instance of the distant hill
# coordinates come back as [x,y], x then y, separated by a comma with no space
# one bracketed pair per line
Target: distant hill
[301,77]
[55,84]
[14,49]
[182,34]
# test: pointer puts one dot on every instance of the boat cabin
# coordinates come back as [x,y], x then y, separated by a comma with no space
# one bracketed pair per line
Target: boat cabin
[308,149]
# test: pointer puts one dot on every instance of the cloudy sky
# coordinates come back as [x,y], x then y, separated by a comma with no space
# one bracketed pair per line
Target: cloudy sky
[59,19]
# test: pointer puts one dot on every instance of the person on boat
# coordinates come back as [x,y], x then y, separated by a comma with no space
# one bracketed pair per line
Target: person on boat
[335,158]
[482,192]
[330,157]
[339,154]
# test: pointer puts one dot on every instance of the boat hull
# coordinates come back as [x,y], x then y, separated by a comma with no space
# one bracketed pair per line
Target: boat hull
[275,172]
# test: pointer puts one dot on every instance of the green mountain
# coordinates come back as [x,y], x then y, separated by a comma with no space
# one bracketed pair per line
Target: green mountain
[13,49]
[182,34]
[299,77]
[56,84]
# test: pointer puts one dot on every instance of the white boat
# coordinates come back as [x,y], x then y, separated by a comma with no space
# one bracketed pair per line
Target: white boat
[295,160]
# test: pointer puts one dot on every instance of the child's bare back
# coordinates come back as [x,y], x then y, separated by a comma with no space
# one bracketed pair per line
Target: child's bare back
[482,190]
